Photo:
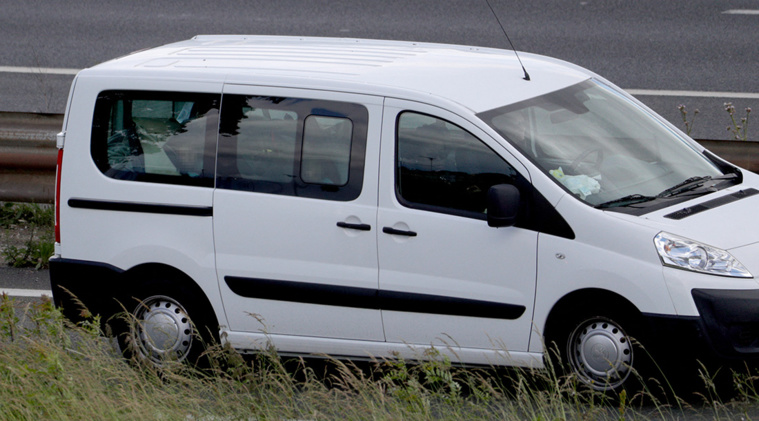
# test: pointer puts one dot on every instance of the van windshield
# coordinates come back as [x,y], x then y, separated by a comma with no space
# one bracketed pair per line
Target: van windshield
[605,149]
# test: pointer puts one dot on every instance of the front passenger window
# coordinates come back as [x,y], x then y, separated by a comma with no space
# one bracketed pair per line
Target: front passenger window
[442,167]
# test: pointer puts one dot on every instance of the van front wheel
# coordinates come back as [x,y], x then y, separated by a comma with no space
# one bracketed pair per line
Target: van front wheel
[601,348]
[600,353]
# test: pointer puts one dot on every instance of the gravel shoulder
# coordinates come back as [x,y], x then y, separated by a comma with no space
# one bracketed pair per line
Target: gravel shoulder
[20,278]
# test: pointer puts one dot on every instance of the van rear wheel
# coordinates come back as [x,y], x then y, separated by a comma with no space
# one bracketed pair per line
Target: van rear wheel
[161,330]
[167,324]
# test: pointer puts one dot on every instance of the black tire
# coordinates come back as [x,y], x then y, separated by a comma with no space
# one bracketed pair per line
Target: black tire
[166,322]
[602,350]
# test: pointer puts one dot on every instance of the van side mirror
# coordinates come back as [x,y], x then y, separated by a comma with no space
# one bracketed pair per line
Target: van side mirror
[503,205]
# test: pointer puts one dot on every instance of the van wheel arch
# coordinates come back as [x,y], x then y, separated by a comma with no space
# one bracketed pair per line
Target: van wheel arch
[164,287]
[611,318]
[567,305]
[139,274]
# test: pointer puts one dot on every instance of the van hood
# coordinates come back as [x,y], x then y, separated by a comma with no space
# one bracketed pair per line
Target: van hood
[727,219]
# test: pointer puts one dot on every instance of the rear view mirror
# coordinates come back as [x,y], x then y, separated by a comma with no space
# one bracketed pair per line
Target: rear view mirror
[503,205]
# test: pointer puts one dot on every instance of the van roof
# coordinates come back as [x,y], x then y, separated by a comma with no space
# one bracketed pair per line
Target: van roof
[475,77]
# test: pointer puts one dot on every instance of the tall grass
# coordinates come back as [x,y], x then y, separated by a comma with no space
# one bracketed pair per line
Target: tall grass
[52,370]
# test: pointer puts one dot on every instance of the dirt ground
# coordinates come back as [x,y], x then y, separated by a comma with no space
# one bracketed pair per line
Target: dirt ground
[19,235]
[28,277]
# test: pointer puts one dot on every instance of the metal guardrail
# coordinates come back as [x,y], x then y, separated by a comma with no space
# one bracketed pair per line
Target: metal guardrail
[28,155]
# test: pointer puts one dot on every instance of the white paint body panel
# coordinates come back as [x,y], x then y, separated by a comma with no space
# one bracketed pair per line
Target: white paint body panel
[269,236]
[451,256]
[124,239]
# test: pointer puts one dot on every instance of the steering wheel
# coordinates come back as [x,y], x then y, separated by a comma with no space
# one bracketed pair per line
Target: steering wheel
[582,160]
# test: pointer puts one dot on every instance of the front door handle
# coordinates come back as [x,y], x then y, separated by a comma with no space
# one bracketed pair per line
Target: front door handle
[360,227]
[393,231]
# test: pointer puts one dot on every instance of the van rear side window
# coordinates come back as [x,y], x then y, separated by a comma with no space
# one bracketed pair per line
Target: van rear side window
[160,137]
[292,146]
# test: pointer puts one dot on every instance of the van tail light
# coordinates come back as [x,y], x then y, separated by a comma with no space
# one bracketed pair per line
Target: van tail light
[58,196]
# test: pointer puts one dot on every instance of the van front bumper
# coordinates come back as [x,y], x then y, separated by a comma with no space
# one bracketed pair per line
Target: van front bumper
[730,320]
[727,328]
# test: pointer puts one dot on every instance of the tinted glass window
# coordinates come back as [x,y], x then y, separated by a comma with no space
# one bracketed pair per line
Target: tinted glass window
[165,137]
[326,150]
[442,167]
[291,146]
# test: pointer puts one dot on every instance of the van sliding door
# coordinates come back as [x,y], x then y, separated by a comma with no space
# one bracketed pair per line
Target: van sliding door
[295,213]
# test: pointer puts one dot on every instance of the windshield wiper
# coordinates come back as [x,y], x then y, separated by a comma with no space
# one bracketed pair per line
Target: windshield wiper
[626,201]
[687,185]
[693,183]
[690,184]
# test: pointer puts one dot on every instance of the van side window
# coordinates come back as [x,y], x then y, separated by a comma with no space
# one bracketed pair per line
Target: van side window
[162,137]
[326,150]
[291,146]
[442,167]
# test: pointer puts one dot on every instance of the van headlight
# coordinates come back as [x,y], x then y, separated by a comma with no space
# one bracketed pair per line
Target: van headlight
[687,254]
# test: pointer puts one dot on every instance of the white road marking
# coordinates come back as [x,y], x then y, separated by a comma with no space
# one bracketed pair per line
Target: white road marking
[741,12]
[702,94]
[33,293]
[38,70]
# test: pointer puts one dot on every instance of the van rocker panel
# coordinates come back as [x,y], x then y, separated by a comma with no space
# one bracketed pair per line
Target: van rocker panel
[367,298]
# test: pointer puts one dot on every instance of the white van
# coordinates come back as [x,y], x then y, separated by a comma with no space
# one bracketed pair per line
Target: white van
[372,198]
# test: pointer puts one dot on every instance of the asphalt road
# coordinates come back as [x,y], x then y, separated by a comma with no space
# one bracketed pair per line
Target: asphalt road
[24,283]
[696,46]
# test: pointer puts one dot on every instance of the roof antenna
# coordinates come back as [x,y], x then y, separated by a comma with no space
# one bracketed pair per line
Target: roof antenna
[526,76]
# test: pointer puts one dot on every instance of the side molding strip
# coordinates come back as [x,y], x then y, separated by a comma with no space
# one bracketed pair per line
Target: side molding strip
[142,207]
[368,298]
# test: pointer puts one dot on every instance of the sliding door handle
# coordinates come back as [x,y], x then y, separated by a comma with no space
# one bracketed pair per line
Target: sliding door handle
[393,231]
[360,227]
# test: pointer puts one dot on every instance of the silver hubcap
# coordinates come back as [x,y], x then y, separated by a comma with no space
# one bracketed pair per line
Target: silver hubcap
[162,330]
[600,353]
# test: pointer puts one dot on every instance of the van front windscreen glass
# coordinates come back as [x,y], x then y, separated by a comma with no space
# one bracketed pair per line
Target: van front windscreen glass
[604,148]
